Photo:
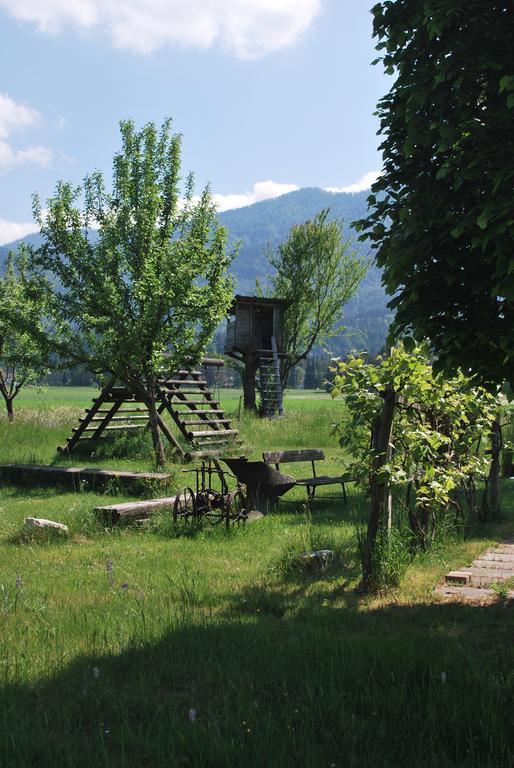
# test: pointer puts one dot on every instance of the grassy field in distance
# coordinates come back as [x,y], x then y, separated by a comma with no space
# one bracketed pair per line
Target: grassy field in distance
[161,646]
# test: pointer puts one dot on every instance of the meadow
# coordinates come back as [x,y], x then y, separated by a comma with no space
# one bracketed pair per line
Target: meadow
[158,645]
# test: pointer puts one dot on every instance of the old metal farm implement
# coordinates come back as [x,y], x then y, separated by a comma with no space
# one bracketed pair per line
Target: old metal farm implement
[211,498]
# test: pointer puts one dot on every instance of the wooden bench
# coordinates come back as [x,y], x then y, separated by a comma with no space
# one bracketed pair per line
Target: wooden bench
[310,483]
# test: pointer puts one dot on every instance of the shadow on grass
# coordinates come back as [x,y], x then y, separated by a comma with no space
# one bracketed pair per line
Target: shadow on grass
[303,684]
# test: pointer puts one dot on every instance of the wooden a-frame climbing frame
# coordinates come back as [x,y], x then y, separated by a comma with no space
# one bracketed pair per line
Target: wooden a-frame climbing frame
[184,396]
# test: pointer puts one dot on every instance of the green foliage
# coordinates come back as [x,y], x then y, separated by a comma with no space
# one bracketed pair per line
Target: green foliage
[148,290]
[258,227]
[22,307]
[438,427]
[318,273]
[441,217]
[392,555]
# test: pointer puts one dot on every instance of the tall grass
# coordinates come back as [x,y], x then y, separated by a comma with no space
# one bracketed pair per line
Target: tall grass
[157,645]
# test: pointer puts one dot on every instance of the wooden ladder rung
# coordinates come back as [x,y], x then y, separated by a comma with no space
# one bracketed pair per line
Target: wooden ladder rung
[195,412]
[173,392]
[195,402]
[214,433]
[116,418]
[119,426]
[131,410]
[206,422]
[183,372]
[180,382]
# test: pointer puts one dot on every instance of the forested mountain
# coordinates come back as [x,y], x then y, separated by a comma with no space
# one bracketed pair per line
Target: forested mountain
[264,225]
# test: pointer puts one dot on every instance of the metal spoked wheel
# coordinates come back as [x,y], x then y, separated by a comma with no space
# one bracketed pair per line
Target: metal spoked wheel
[185,505]
[235,507]
[210,505]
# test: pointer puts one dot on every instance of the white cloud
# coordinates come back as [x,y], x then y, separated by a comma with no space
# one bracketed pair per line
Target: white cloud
[364,183]
[11,230]
[15,116]
[10,157]
[262,190]
[247,28]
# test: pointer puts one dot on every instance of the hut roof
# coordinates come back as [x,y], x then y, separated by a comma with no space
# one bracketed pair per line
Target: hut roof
[258,301]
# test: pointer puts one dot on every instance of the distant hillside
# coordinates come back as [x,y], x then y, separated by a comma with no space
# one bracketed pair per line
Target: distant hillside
[266,224]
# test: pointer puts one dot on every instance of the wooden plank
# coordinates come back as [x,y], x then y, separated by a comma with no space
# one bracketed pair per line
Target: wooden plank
[193,402]
[75,475]
[106,429]
[208,422]
[181,382]
[183,372]
[184,392]
[198,412]
[215,433]
[120,417]
[315,481]
[284,457]
[134,509]
[216,362]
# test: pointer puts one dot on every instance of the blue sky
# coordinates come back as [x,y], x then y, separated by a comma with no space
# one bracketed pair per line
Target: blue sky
[269,95]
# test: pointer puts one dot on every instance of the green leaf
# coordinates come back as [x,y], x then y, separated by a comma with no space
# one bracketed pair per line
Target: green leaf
[483,220]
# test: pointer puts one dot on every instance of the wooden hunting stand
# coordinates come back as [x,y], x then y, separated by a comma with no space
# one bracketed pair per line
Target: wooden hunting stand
[255,336]
[184,396]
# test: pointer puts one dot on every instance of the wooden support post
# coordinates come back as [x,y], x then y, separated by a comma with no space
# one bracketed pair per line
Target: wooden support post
[379,488]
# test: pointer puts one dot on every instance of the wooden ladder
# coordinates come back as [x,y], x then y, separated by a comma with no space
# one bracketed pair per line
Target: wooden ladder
[191,404]
[184,396]
[116,409]
[270,384]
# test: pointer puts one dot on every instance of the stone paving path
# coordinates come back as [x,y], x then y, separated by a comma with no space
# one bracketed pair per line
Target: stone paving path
[493,567]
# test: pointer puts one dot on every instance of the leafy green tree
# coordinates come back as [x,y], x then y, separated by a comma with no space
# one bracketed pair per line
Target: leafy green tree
[317,270]
[425,430]
[441,213]
[22,307]
[145,291]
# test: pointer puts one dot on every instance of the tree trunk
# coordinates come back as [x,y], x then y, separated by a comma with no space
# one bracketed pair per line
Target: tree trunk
[379,488]
[10,409]
[492,488]
[248,376]
[160,457]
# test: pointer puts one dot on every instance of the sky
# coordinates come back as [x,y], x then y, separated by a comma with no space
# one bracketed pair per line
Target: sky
[269,95]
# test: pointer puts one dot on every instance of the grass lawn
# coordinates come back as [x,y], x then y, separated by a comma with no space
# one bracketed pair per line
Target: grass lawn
[155,647]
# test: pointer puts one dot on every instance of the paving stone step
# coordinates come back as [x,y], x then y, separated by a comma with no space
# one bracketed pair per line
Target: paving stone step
[494,557]
[475,594]
[480,576]
[458,577]
[493,565]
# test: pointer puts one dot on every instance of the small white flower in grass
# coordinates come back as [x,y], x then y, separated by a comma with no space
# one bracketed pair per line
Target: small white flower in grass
[192,715]
[96,673]
[443,677]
